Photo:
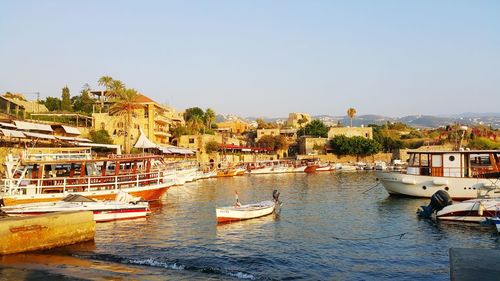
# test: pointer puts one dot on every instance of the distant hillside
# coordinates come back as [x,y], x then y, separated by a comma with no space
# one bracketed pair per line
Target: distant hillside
[416,121]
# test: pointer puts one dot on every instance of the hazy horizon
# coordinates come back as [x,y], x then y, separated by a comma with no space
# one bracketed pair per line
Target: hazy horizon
[262,58]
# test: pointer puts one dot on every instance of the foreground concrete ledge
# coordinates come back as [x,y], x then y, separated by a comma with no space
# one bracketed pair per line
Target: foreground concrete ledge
[21,234]
[474,264]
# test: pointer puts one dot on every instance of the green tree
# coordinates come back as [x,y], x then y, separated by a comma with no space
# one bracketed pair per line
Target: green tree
[356,146]
[272,142]
[195,124]
[124,105]
[52,104]
[100,136]
[83,102]
[267,142]
[105,81]
[209,117]
[351,112]
[194,111]
[66,100]
[316,128]
[212,146]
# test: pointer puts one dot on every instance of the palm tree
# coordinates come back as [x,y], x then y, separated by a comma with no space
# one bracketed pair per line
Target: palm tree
[105,81]
[351,112]
[195,124]
[209,117]
[124,105]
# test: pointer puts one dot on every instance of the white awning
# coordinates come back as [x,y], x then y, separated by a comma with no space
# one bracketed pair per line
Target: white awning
[8,125]
[71,130]
[175,150]
[12,133]
[83,139]
[72,139]
[144,142]
[39,136]
[33,126]
[65,138]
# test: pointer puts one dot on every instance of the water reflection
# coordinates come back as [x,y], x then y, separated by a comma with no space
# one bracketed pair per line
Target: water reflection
[181,239]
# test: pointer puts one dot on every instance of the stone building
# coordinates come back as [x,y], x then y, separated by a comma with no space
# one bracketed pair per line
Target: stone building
[350,132]
[233,126]
[152,117]
[298,120]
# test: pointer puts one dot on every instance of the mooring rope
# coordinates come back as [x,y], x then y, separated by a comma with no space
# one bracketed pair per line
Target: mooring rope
[378,183]
[400,235]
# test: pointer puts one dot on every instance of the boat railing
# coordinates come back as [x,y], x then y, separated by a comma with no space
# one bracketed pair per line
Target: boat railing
[83,184]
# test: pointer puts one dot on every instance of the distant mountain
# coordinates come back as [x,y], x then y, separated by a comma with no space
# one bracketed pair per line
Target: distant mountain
[416,121]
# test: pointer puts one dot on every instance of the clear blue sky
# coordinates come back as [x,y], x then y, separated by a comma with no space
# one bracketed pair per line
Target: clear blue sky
[262,58]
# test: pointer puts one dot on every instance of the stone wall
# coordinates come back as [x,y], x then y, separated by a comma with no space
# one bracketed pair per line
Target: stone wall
[366,132]
[386,157]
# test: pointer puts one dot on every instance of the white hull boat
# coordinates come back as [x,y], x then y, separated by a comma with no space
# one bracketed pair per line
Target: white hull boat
[462,174]
[474,210]
[249,211]
[103,210]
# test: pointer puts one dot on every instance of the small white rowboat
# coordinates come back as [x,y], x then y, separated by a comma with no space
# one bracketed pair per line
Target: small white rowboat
[103,210]
[250,211]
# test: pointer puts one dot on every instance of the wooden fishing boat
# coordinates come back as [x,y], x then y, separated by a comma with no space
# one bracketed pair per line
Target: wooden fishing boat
[249,211]
[103,210]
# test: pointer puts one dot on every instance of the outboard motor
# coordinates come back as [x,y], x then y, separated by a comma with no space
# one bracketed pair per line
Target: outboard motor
[439,200]
[276,195]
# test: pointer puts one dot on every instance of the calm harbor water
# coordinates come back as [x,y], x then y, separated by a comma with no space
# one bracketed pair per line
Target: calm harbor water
[328,229]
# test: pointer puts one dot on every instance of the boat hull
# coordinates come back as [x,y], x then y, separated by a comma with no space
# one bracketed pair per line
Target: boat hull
[147,193]
[426,186]
[231,214]
[103,210]
[475,210]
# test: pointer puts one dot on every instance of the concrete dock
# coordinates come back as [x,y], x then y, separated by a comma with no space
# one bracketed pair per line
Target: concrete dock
[474,264]
[21,234]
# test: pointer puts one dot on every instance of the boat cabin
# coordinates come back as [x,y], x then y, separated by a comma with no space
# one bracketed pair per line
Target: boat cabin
[458,164]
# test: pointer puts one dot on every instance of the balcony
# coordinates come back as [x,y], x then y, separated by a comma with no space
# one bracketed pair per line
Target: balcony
[162,119]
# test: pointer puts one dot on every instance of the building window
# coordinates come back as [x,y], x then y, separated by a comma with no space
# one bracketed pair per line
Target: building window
[120,125]
[191,140]
[146,113]
[366,135]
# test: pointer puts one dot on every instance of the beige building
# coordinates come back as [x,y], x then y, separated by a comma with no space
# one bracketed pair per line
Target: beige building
[198,143]
[350,132]
[234,127]
[298,120]
[152,118]
[267,132]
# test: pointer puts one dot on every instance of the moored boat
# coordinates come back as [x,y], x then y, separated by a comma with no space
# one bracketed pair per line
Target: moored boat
[45,175]
[461,173]
[249,211]
[126,208]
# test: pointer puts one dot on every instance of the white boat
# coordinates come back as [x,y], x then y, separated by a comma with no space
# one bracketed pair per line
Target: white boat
[460,173]
[348,168]
[49,174]
[325,168]
[380,166]
[480,210]
[473,210]
[249,211]
[103,210]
